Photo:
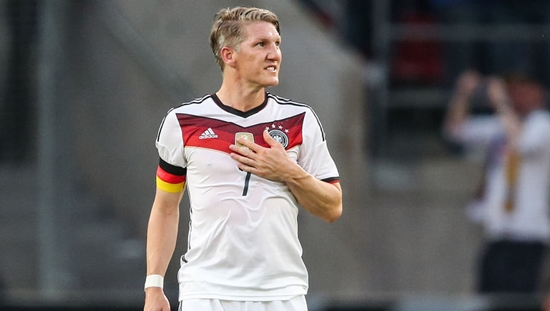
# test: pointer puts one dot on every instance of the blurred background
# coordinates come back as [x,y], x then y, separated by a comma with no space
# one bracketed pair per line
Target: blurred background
[84,85]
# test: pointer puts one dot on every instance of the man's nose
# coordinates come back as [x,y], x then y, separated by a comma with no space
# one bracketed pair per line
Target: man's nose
[274,53]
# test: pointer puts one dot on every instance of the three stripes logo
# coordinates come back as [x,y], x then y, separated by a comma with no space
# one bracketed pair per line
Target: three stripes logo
[209,133]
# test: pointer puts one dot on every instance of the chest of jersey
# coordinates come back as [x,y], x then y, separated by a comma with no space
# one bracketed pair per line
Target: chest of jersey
[216,134]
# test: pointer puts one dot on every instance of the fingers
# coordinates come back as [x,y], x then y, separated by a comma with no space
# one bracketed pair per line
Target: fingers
[242,158]
[241,142]
[245,144]
[246,150]
[244,155]
[270,140]
[250,154]
[245,164]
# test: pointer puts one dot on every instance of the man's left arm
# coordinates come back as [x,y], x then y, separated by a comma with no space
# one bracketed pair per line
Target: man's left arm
[320,198]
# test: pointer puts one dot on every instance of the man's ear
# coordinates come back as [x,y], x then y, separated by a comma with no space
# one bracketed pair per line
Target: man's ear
[228,56]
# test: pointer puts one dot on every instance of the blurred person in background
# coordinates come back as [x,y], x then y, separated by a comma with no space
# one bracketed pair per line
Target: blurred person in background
[515,198]
[250,159]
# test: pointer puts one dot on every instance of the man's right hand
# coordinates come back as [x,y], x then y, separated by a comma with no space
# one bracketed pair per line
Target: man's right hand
[467,83]
[155,300]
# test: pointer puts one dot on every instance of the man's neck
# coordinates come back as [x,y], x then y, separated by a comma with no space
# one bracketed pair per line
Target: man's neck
[240,98]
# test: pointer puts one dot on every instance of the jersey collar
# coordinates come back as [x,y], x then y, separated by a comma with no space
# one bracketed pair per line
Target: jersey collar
[244,114]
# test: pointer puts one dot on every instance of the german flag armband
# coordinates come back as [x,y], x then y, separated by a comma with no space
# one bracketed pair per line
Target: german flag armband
[170,178]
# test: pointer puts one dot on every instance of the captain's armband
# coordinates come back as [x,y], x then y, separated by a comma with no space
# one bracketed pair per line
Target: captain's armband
[170,178]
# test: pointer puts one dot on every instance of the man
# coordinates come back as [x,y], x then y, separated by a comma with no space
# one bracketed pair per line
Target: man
[515,199]
[249,159]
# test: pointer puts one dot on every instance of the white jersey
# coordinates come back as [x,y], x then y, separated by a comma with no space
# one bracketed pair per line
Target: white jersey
[243,236]
[530,220]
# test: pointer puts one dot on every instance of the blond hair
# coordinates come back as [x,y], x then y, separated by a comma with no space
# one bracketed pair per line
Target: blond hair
[228,29]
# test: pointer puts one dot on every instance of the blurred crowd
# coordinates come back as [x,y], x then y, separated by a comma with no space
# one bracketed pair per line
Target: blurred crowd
[495,67]
[513,197]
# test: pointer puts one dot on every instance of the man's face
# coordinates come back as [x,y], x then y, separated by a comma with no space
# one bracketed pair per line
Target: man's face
[259,55]
[526,96]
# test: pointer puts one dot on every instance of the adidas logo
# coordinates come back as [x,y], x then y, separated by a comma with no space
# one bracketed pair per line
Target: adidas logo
[209,133]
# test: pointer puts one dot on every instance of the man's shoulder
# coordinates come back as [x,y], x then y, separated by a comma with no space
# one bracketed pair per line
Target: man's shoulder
[288,102]
[540,119]
[196,103]
[542,114]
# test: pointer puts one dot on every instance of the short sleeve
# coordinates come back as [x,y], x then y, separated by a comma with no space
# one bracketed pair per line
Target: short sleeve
[314,156]
[169,141]
[535,135]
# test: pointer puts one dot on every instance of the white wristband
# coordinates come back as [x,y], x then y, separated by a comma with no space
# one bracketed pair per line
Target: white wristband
[154,280]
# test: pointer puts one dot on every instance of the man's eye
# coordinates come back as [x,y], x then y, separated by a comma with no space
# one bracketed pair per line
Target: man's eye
[260,44]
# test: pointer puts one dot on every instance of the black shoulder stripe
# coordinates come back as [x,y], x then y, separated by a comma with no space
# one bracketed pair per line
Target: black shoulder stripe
[195,101]
[162,123]
[284,101]
[172,169]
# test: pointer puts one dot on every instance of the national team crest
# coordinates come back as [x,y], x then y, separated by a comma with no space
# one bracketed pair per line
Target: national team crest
[244,135]
[278,134]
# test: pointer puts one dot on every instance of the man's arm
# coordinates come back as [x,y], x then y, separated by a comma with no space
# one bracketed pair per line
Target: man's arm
[162,233]
[320,198]
[459,104]
[502,104]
